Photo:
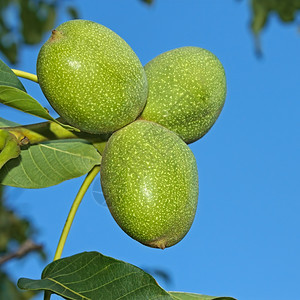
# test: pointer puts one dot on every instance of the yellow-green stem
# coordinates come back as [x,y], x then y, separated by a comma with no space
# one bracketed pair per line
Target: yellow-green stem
[41,132]
[85,185]
[26,75]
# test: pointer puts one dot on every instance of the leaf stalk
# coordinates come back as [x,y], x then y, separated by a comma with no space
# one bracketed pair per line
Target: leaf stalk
[82,191]
[63,237]
[26,75]
[45,131]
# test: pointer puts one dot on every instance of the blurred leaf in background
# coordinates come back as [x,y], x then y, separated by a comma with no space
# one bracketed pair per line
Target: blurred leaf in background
[25,22]
[262,9]
[286,10]
[147,1]
[15,242]
[9,291]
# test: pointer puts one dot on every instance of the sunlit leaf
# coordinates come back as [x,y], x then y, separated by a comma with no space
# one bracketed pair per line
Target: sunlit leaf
[8,77]
[49,163]
[91,275]
[9,147]
[20,100]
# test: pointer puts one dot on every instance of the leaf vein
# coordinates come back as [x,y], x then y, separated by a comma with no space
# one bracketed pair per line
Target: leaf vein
[77,270]
[95,274]
[55,171]
[37,166]
[107,283]
[68,289]
[58,263]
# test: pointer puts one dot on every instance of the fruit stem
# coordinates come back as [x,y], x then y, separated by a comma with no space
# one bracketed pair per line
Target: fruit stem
[84,187]
[26,75]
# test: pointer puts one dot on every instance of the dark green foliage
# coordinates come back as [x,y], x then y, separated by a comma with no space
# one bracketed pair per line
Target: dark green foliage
[9,291]
[261,10]
[286,10]
[147,1]
[34,18]
[31,20]
[12,228]
[15,231]
[91,275]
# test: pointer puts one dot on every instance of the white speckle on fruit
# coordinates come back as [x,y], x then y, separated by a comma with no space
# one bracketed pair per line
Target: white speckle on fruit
[91,77]
[149,180]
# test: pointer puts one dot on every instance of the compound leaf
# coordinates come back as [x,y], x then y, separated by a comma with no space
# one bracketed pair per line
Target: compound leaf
[49,163]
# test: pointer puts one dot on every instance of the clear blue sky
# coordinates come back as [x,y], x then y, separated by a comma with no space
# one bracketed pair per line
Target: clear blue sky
[245,240]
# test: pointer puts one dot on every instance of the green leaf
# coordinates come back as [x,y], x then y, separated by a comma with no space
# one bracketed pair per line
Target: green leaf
[20,100]
[49,163]
[9,147]
[7,123]
[91,275]
[8,77]
[261,10]
[191,296]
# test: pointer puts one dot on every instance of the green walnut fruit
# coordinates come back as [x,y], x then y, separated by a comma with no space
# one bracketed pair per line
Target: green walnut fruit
[91,77]
[150,182]
[187,90]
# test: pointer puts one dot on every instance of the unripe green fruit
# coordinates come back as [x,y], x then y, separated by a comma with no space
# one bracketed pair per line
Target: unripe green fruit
[150,183]
[91,77]
[187,90]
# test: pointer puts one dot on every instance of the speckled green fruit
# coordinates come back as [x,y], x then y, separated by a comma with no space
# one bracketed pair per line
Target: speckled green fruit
[150,182]
[187,90]
[91,77]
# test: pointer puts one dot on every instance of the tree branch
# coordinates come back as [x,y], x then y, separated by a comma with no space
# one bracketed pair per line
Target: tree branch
[27,247]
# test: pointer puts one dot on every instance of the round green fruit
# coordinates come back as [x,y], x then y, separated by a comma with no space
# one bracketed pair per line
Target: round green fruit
[91,77]
[150,183]
[187,90]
